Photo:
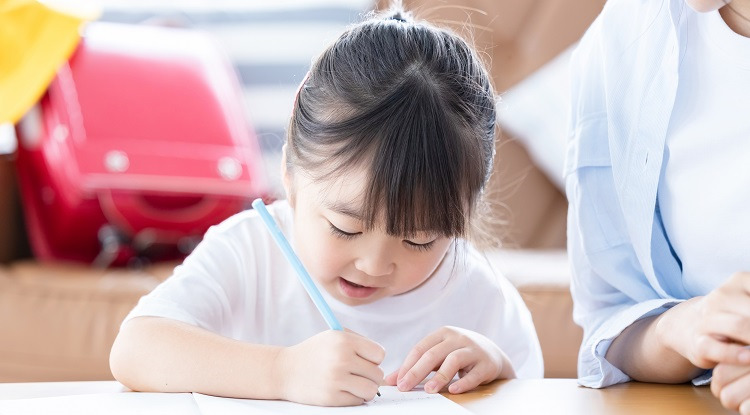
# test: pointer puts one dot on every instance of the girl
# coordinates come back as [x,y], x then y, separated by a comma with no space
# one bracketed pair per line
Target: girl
[657,184]
[389,147]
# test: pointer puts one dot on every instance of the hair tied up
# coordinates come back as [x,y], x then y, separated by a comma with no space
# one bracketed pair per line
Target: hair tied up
[399,17]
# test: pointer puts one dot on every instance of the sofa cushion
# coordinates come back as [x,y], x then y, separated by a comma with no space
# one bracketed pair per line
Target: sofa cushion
[59,321]
[543,280]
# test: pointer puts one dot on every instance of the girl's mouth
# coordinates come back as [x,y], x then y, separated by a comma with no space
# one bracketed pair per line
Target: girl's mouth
[354,290]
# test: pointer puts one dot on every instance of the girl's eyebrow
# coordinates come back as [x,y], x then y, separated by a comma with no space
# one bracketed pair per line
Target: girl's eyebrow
[344,209]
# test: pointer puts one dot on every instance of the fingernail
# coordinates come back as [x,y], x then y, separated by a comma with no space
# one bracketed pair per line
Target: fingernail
[430,386]
[400,383]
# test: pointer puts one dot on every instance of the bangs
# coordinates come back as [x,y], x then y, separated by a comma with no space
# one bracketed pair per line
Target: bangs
[412,108]
[415,157]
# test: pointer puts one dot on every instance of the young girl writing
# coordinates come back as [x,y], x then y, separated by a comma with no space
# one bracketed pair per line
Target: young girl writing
[389,147]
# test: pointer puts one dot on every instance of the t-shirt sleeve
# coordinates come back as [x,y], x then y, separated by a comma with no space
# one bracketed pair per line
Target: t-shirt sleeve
[208,288]
[516,335]
[494,308]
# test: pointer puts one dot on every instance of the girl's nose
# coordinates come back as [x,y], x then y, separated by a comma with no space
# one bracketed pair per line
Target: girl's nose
[375,264]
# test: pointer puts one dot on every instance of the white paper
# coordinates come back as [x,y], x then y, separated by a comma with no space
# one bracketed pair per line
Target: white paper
[391,401]
[129,403]
[126,403]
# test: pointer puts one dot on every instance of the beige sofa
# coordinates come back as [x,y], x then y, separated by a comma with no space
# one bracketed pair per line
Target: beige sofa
[58,321]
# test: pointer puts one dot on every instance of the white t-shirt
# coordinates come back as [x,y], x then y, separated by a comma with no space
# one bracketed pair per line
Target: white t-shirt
[703,193]
[238,283]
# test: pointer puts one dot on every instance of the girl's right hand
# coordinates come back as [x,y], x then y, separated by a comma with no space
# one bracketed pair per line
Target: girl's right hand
[332,368]
[712,329]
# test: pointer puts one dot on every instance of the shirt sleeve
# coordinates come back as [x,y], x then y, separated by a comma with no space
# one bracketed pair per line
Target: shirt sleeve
[517,337]
[204,291]
[496,310]
[609,287]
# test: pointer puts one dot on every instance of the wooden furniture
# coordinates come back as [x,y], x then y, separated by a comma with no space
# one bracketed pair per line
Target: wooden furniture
[564,396]
[538,396]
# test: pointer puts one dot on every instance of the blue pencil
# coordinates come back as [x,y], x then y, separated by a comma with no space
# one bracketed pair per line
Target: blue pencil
[286,248]
[304,277]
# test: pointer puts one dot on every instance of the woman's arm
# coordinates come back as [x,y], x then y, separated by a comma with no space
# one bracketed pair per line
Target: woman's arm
[690,337]
[644,353]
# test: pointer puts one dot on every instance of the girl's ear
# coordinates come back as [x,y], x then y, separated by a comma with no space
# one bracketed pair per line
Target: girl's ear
[286,178]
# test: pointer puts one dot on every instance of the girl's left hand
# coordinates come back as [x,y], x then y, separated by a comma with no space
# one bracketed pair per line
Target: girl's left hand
[731,384]
[450,350]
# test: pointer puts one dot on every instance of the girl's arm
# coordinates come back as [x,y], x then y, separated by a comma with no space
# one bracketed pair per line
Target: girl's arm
[154,354]
[332,368]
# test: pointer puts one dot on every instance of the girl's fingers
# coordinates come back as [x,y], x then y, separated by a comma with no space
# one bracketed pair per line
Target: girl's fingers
[390,380]
[417,352]
[362,388]
[369,350]
[455,361]
[343,398]
[430,360]
[368,370]
[473,378]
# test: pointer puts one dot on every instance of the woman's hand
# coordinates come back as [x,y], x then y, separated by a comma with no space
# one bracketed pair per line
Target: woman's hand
[731,384]
[448,351]
[712,329]
[332,368]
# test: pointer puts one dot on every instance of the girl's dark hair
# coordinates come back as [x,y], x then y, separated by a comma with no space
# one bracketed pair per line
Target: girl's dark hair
[413,105]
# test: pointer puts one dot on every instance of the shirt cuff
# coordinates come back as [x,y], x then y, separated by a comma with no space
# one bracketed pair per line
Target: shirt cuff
[594,370]
[704,379]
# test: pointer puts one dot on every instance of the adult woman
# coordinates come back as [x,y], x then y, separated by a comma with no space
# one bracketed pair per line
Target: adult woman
[654,177]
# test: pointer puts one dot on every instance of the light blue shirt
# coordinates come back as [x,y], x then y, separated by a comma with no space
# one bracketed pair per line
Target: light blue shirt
[623,86]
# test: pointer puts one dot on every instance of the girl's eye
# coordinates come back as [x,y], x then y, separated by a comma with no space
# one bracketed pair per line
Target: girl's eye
[341,234]
[420,247]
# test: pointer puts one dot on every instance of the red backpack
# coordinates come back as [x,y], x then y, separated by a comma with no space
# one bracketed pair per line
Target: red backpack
[139,145]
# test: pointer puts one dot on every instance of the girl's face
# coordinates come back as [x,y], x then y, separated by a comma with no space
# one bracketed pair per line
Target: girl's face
[354,265]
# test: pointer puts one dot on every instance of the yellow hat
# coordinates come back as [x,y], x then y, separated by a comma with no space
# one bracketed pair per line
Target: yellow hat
[34,41]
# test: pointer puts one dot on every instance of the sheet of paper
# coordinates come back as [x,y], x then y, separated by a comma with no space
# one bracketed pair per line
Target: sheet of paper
[390,402]
[127,403]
